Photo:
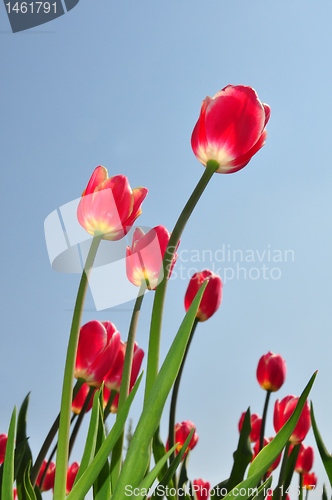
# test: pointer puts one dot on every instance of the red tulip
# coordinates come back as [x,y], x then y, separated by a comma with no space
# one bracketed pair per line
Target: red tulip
[211,297]
[309,481]
[277,460]
[256,423]
[48,482]
[230,128]
[305,459]
[144,257]
[114,376]
[201,488]
[283,411]
[271,371]
[80,400]
[71,475]
[3,443]
[182,431]
[98,346]
[109,205]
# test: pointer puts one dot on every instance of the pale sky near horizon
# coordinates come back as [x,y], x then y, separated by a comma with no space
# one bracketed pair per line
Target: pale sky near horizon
[121,85]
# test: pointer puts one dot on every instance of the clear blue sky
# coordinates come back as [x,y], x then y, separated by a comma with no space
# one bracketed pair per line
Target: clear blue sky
[121,84]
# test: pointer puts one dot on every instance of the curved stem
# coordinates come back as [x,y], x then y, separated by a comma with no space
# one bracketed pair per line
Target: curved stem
[63,440]
[49,438]
[158,305]
[79,420]
[125,384]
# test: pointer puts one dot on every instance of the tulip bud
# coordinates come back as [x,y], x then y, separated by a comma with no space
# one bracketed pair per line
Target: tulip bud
[201,488]
[182,431]
[144,257]
[98,346]
[71,476]
[48,482]
[109,206]
[271,372]
[283,411]
[310,481]
[3,443]
[230,128]
[256,450]
[256,423]
[305,459]
[211,298]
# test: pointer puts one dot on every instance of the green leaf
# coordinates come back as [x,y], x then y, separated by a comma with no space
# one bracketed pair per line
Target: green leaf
[263,490]
[83,485]
[290,466]
[159,451]
[102,485]
[8,465]
[26,457]
[324,495]
[27,486]
[325,456]
[145,485]
[222,486]
[138,454]
[183,477]
[90,444]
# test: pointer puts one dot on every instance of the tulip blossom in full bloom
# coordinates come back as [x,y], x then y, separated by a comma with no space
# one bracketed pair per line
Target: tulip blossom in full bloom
[305,459]
[211,298]
[201,488]
[271,371]
[182,431]
[109,206]
[98,346]
[71,475]
[309,481]
[80,400]
[282,412]
[230,128]
[3,443]
[277,460]
[48,482]
[256,423]
[114,376]
[144,257]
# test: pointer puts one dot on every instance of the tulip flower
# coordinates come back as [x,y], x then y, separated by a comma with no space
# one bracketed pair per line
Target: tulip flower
[48,482]
[271,372]
[201,488]
[114,376]
[98,346]
[109,206]
[71,475]
[256,423]
[182,431]
[256,450]
[144,257]
[230,128]
[211,298]
[3,443]
[310,481]
[283,411]
[305,459]
[80,399]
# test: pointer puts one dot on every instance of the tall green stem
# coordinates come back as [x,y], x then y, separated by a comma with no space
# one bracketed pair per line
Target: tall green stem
[277,492]
[65,413]
[125,384]
[261,437]
[158,305]
[301,486]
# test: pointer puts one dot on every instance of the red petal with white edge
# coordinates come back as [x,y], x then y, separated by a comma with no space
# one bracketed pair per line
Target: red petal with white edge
[104,362]
[234,120]
[111,329]
[139,194]
[91,343]
[99,175]
[267,110]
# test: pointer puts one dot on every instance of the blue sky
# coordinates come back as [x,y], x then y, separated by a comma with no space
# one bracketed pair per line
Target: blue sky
[121,84]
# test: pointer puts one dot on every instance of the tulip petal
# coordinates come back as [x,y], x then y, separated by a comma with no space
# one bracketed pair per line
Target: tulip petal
[99,175]
[92,342]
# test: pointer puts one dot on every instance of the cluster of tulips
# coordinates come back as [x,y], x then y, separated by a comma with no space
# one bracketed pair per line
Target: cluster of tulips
[231,129]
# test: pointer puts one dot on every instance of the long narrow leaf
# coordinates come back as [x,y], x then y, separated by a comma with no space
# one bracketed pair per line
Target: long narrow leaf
[243,454]
[29,492]
[138,455]
[91,473]
[144,487]
[26,458]
[102,485]
[325,456]
[263,490]
[8,465]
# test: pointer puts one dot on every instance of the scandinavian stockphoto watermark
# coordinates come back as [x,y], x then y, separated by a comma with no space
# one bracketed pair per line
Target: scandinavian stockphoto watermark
[68,244]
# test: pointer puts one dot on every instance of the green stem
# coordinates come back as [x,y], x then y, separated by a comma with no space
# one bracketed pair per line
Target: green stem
[171,432]
[158,305]
[49,438]
[125,384]
[109,404]
[79,420]
[301,486]
[261,437]
[63,440]
[277,491]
